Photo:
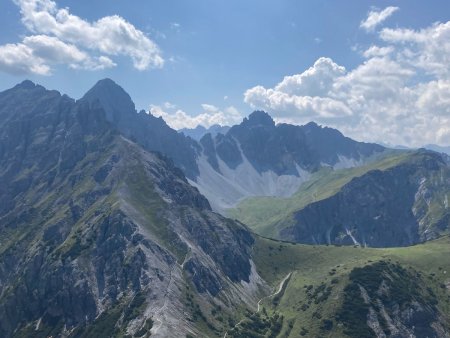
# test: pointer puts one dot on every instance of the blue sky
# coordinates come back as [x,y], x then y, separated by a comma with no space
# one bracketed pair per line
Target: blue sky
[222,59]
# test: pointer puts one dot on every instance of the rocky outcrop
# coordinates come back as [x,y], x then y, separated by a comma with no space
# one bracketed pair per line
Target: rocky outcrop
[386,300]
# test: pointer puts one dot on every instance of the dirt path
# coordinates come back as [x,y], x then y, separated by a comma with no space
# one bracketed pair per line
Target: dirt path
[280,288]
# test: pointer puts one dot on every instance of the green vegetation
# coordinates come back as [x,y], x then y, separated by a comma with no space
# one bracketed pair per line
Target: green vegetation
[317,301]
[51,329]
[257,325]
[111,324]
[385,284]
[200,316]
[268,215]
[135,308]
[103,327]
[149,205]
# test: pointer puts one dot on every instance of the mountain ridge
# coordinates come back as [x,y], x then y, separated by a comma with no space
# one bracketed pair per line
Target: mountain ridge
[92,225]
[198,132]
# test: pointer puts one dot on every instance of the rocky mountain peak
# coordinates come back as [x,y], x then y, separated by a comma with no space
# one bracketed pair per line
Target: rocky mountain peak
[150,132]
[259,118]
[108,84]
[115,100]
[314,128]
[29,86]
[312,125]
[26,84]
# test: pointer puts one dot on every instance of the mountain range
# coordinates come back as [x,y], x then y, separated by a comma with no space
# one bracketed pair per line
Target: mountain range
[198,132]
[437,148]
[259,158]
[255,158]
[112,224]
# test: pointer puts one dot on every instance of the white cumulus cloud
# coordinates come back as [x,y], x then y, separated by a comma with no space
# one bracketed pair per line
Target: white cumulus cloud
[59,37]
[211,115]
[314,81]
[19,59]
[375,18]
[428,49]
[36,53]
[400,93]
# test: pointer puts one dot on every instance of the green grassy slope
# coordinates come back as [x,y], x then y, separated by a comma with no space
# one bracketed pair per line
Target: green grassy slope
[267,215]
[313,297]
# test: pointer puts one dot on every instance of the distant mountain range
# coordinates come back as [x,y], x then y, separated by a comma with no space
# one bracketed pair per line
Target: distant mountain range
[433,147]
[198,132]
[258,158]
[437,148]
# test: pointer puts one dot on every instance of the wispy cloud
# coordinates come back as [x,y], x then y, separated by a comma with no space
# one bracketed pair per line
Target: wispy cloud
[375,18]
[175,26]
[210,115]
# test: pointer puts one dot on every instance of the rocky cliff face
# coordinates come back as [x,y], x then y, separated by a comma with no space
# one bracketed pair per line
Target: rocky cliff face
[400,206]
[98,236]
[282,148]
[386,300]
[259,158]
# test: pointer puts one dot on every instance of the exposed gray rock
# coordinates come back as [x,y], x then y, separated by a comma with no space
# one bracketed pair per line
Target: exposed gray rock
[98,235]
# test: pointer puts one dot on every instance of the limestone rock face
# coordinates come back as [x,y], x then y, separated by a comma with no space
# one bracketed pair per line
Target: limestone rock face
[387,300]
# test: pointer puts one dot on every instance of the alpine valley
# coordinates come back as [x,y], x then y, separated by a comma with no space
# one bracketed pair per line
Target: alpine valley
[113,224]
